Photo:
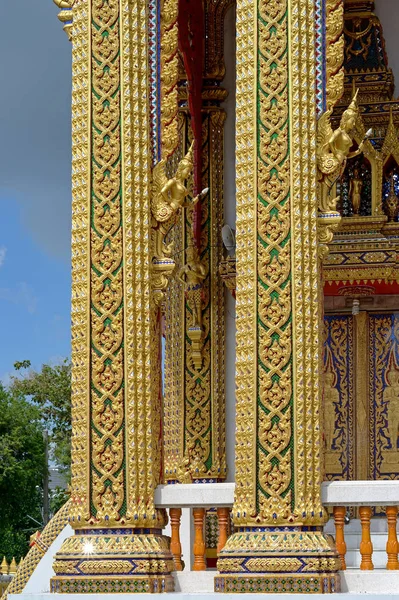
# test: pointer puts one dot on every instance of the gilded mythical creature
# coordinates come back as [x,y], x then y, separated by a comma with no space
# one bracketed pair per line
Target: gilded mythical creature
[333,150]
[65,16]
[64,3]
[192,275]
[168,197]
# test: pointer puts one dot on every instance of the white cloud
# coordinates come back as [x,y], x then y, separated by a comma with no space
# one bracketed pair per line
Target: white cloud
[23,295]
[3,252]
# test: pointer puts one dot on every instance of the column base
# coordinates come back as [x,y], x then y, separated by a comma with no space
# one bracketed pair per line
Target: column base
[113,561]
[278,560]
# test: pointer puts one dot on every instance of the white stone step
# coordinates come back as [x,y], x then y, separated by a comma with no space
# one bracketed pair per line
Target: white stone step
[353,559]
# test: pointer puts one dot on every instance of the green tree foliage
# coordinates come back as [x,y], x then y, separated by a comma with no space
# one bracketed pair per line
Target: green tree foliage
[22,469]
[50,390]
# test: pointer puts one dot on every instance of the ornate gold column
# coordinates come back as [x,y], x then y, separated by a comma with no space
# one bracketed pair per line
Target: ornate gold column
[194,375]
[118,544]
[278,544]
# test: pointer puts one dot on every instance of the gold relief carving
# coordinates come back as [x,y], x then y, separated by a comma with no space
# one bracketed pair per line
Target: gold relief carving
[173,400]
[305,271]
[334,51]
[264,554]
[288,583]
[338,397]
[141,338]
[273,262]
[362,399]
[383,392]
[331,401]
[123,584]
[167,196]
[160,566]
[97,567]
[227,272]
[169,71]
[246,189]
[253,543]
[107,315]
[322,564]
[66,566]
[141,555]
[392,202]
[375,159]
[214,48]
[362,274]
[390,149]
[80,305]
[66,15]
[216,291]
[141,544]
[391,398]
[273,565]
[391,142]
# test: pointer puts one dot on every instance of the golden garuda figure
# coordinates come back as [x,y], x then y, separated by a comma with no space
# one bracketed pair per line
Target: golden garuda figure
[333,150]
[168,197]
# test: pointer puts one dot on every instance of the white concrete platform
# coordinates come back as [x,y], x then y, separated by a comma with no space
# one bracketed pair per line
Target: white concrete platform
[201,596]
[378,582]
[377,585]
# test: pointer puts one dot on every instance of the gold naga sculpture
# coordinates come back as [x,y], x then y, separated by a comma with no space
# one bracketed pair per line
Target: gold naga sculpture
[168,198]
[332,153]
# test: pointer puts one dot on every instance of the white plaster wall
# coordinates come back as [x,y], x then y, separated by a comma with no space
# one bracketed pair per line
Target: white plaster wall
[229,84]
[388,13]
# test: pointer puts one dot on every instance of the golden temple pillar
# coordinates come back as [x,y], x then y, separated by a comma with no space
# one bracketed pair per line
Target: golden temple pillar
[117,545]
[278,544]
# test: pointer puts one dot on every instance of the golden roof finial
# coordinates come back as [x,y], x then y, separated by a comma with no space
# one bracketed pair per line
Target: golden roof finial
[4,566]
[13,566]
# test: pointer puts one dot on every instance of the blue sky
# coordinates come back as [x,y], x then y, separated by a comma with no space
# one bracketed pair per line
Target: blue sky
[35,197]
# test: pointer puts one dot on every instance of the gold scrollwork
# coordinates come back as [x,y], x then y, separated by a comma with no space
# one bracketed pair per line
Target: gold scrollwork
[169,76]
[334,51]
[107,313]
